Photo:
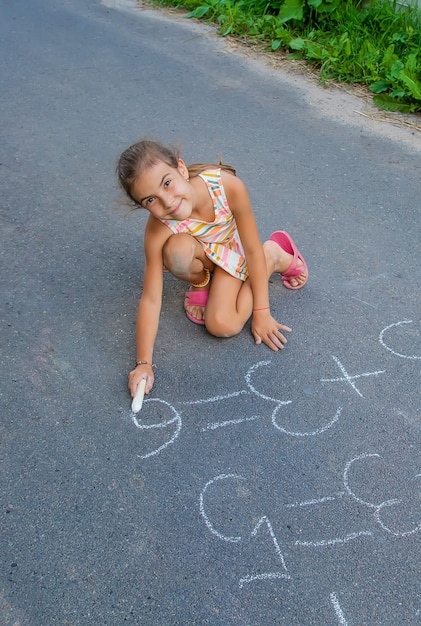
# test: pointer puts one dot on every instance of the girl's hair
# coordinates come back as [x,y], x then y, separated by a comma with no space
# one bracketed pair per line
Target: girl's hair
[146,153]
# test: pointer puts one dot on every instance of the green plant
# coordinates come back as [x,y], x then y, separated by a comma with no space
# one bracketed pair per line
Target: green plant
[372,42]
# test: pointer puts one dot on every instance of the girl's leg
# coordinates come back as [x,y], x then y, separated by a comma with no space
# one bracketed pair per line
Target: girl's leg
[230,301]
[229,305]
[184,257]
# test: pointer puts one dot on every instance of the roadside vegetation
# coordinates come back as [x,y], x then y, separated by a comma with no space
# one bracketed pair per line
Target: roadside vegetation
[376,43]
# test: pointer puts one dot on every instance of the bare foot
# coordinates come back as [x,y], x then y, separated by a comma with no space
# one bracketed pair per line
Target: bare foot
[277,260]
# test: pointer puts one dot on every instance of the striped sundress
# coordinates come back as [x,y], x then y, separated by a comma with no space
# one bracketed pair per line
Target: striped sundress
[220,239]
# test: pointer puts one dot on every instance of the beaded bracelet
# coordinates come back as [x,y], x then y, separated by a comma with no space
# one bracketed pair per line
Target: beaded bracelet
[204,282]
[140,362]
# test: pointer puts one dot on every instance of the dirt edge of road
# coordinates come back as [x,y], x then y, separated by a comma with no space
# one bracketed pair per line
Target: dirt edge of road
[350,105]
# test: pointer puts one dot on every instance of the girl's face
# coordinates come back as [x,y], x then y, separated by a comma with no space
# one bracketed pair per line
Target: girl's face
[164,191]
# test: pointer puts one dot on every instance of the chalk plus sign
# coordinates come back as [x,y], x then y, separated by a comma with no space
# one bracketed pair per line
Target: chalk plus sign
[347,378]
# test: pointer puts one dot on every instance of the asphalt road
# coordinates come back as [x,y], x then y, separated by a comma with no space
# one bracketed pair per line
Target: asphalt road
[254,488]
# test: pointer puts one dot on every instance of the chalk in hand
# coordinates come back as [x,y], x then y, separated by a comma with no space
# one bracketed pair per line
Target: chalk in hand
[138,398]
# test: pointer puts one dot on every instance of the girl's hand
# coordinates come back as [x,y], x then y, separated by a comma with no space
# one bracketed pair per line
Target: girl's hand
[136,375]
[267,330]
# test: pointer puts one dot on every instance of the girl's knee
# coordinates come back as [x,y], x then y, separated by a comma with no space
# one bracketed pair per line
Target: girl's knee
[178,254]
[222,327]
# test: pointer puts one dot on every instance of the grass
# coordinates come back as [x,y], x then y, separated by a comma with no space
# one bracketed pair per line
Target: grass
[375,43]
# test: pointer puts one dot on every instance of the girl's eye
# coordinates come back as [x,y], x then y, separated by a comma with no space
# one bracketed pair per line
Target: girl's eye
[148,202]
[167,183]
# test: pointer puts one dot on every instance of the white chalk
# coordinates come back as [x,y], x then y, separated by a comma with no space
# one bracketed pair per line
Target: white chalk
[138,398]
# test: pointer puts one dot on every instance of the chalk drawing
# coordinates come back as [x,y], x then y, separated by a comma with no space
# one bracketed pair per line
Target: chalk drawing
[389,516]
[263,576]
[267,575]
[334,542]
[215,398]
[379,507]
[250,387]
[248,376]
[346,481]
[205,516]
[274,416]
[216,425]
[310,433]
[348,378]
[311,502]
[263,522]
[338,610]
[380,512]
[276,413]
[176,420]
[390,503]
[384,344]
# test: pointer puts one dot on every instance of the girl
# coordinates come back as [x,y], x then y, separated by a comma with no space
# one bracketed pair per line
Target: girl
[202,229]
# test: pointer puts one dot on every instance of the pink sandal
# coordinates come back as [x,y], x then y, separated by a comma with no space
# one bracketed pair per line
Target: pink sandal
[195,298]
[286,243]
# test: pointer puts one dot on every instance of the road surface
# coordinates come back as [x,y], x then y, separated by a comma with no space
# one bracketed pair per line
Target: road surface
[253,488]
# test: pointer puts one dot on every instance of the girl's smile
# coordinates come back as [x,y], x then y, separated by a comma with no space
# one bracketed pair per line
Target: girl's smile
[177,210]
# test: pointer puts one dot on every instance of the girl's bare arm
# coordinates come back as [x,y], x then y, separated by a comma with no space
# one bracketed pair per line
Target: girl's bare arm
[150,304]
